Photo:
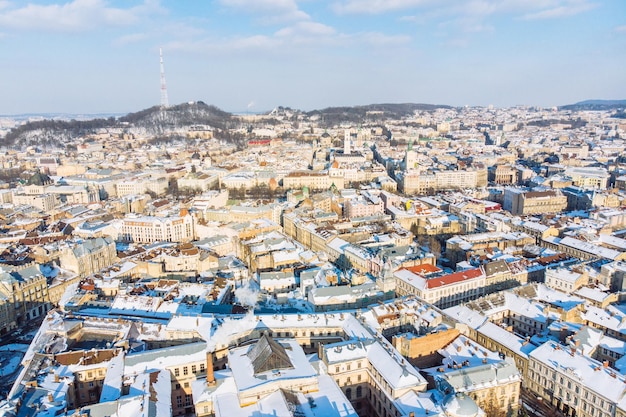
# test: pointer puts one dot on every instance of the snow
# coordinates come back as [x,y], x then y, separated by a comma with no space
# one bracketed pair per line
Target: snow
[243,370]
[69,292]
[420,404]
[582,369]
[112,384]
[328,401]
[275,405]
[163,390]
[396,371]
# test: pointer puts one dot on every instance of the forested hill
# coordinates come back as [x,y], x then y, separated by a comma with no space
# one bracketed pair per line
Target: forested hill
[373,112]
[595,105]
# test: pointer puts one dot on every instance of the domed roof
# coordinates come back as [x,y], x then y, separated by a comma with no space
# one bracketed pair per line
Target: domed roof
[195,155]
[325,135]
[460,405]
[39,179]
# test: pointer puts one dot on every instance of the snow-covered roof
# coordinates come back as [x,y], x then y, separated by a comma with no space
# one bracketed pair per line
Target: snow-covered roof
[591,373]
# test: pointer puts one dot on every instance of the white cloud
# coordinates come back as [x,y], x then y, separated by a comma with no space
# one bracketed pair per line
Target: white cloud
[560,11]
[130,38]
[439,8]
[375,6]
[306,29]
[620,29]
[380,39]
[272,10]
[290,40]
[73,16]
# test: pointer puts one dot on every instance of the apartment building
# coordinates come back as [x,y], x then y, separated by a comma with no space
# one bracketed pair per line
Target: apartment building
[574,383]
[144,229]
[443,290]
[522,202]
[565,280]
[319,180]
[25,291]
[140,185]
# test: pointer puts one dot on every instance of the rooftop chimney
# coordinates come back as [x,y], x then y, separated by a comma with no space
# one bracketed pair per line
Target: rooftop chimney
[210,377]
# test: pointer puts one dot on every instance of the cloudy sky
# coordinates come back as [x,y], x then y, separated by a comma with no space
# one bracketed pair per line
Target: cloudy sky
[101,56]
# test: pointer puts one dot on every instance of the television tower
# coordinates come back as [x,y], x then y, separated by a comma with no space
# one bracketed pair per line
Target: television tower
[164,100]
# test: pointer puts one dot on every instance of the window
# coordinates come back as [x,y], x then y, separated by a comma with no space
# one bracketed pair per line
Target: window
[179,401]
[202,368]
[194,369]
[176,372]
[349,393]
[359,391]
[185,370]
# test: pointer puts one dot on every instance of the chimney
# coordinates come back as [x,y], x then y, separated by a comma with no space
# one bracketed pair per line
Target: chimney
[56,377]
[50,397]
[210,377]
[605,364]
[412,414]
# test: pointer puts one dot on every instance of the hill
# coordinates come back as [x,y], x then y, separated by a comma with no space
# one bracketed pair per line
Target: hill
[372,112]
[156,122]
[153,121]
[595,105]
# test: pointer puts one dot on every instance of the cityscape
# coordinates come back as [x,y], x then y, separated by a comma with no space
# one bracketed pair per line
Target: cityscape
[166,250]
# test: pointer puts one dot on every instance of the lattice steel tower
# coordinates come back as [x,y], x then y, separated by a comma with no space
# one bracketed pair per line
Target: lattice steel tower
[164,100]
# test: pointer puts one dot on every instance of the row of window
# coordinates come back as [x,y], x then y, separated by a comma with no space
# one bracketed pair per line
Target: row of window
[194,370]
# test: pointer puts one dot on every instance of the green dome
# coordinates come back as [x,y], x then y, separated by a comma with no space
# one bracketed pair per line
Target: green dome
[39,179]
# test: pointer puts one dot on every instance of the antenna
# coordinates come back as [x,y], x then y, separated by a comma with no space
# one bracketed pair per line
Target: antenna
[164,100]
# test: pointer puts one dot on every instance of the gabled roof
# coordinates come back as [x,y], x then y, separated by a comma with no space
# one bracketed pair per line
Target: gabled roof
[267,355]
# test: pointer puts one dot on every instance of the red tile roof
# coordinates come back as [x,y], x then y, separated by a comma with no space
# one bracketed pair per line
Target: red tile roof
[454,278]
[423,269]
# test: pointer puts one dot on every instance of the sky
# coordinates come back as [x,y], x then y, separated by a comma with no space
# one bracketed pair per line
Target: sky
[102,56]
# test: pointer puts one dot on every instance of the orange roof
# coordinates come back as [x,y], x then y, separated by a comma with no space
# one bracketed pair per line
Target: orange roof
[424,269]
[454,278]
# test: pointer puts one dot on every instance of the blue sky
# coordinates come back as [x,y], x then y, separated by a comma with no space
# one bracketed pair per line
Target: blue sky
[98,56]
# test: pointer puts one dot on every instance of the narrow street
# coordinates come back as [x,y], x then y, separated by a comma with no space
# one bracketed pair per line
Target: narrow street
[536,407]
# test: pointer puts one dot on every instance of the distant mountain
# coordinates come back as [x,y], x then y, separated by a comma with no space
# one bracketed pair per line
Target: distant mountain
[595,105]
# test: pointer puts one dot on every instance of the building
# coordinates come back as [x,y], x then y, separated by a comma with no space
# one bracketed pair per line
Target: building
[88,256]
[565,280]
[441,290]
[150,229]
[574,383]
[521,202]
[24,291]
